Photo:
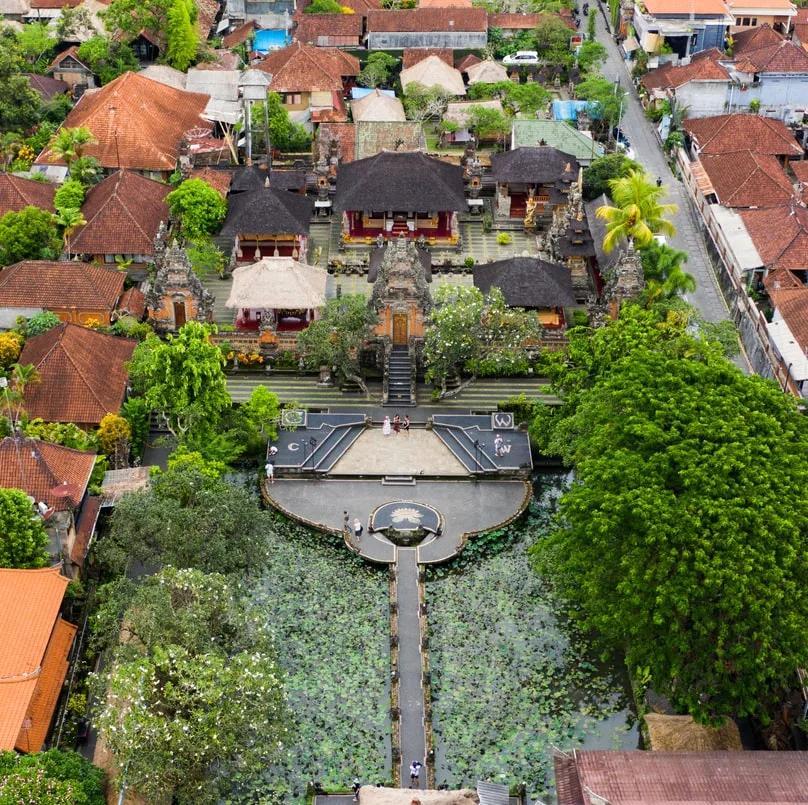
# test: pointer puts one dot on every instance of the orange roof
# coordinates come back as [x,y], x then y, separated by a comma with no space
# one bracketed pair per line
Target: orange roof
[781,57]
[55,665]
[123,214]
[427,19]
[62,285]
[17,193]
[138,123]
[411,56]
[82,374]
[748,179]
[303,68]
[727,134]
[780,235]
[132,303]
[345,136]
[239,35]
[311,27]
[218,180]
[85,528]
[676,8]
[29,607]
[703,67]
[44,467]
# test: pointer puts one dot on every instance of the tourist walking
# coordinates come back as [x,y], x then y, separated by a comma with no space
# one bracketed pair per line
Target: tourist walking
[356,786]
[415,771]
[270,468]
[397,423]
[406,426]
[346,518]
[498,445]
[386,426]
[357,527]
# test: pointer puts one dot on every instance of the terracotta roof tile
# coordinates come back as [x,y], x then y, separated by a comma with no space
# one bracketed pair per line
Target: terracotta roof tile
[703,67]
[239,35]
[138,123]
[727,134]
[428,19]
[54,4]
[82,374]
[72,51]
[123,213]
[360,7]
[748,179]
[208,11]
[344,134]
[85,528]
[780,235]
[792,305]
[444,4]
[467,61]
[303,68]
[754,38]
[63,285]
[29,606]
[44,467]
[799,25]
[17,193]
[412,56]
[525,22]
[311,27]
[55,665]
[800,169]
[46,86]
[133,303]
[674,8]
[218,180]
[783,57]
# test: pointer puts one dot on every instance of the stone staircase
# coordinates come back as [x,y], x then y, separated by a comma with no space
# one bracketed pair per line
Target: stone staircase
[400,382]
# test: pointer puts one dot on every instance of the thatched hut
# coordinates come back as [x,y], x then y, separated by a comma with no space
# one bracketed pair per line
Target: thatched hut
[682,734]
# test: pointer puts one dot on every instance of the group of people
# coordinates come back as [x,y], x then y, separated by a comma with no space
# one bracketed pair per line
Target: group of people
[396,426]
[357,524]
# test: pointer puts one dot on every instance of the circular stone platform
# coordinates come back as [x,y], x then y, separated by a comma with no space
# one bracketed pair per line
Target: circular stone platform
[407,519]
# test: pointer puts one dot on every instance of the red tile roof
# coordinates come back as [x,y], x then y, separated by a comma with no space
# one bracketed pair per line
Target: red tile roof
[792,305]
[527,22]
[29,607]
[684,778]
[133,303]
[344,134]
[800,169]
[208,11]
[44,467]
[303,68]
[799,25]
[444,4]
[754,38]
[727,134]
[123,214]
[412,56]
[218,180]
[72,51]
[239,35]
[310,27]
[428,19]
[82,374]
[703,67]
[63,285]
[54,4]
[783,57]
[46,86]
[748,179]
[780,235]
[466,62]
[17,193]
[85,528]
[138,123]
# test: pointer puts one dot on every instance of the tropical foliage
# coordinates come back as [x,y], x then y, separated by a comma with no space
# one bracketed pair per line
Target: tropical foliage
[50,778]
[107,58]
[598,174]
[199,207]
[377,70]
[28,235]
[23,541]
[284,134]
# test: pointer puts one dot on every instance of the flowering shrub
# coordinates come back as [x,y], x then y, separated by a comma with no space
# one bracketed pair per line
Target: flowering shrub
[249,359]
[10,347]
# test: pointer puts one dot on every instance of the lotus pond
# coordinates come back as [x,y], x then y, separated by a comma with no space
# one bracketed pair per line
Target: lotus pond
[330,615]
[511,677]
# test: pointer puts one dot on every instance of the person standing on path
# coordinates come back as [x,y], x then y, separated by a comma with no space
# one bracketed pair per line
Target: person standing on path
[498,445]
[386,426]
[415,771]
[270,468]
[406,426]
[346,518]
[356,786]
[357,528]
[397,424]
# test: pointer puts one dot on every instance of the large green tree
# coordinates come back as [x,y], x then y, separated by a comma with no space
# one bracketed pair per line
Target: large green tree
[683,535]
[182,378]
[23,541]
[182,35]
[606,100]
[336,338]
[28,235]
[189,518]
[284,133]
[108,59]
[377,69]
[199,207]
[204,699]
[599,172]
[50,778]
[476,334]
[422,103]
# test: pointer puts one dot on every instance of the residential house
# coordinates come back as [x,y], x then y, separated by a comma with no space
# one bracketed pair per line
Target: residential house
[777,14]
[69,68]
[81,293]
[772,70]
[378,106]
[459,114]
[34,655]
[57,478]
[686,778]
[730,134]
[461,28]
[700,87]
[466,61]
[17,193]
[48,11]
[341,138]
[486,72]
[330,30]
[82,374]
[746,180]
[238,36]
[13,11]
[123,214]
[434,72]
[515,24]
[556,134]
[686,28]
[47,87]
[530,283]
[312,81]
[799,27]
[411,56]
[400,193]
[532,176]
[222,86]
[139,124]
[373,137]
[268,221]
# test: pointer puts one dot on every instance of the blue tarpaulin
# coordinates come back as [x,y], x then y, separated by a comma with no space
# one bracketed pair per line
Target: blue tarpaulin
[567,110]
[360,92]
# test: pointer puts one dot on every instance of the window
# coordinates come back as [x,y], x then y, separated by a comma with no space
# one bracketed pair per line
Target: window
[292,99]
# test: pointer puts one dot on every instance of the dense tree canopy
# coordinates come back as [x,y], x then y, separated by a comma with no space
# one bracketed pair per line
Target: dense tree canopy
[23,541]
[377,69]
[199,207]
[684,534]
[28,235]
[107,58]
[598,174]
[284,134]
[50,778]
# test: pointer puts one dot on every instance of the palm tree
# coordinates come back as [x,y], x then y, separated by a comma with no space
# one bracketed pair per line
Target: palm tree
[665,277]
[69,218]
[85,170]
[10,145]
[69,144]
[21,377]
[638,213]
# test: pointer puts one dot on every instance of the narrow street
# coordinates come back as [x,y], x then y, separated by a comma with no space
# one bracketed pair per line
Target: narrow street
[647,151]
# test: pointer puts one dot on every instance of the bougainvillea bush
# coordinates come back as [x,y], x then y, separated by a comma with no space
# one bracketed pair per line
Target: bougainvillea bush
[329,613]
[510,677]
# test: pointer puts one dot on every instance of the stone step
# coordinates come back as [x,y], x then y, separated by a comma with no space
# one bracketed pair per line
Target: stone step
[398,480]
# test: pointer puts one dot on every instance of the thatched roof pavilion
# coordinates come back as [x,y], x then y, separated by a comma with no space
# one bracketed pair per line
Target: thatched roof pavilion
[682,734]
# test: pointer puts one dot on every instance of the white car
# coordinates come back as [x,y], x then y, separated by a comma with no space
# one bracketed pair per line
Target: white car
[522,57]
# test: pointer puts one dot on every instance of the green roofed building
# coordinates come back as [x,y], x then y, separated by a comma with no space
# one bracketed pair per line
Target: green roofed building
[557,134]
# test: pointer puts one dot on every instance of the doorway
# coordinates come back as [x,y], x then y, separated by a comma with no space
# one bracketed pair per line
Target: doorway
[179,313]
[399,328]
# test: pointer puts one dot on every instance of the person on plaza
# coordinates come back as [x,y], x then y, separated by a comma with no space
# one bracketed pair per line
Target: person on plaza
[273,451]
[415,771]
[346,518]
[386,426]
[270,468]
[397,423]
[498,445]
[357,527]
[406,426]
[356,786]
[659,182]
